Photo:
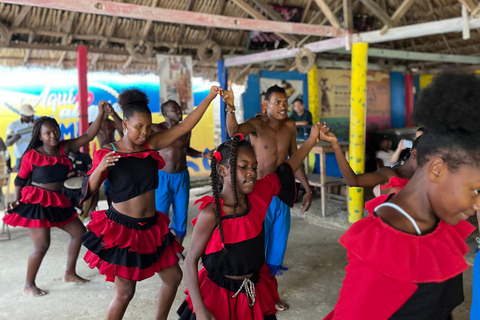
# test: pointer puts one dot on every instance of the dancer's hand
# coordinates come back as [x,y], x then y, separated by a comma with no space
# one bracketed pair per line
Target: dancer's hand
[326,135]
[101,108]
[315,131]
[108,108]
[306,201]
[228,97]
[13,205]
[214,91]
[209,154]
[108,160]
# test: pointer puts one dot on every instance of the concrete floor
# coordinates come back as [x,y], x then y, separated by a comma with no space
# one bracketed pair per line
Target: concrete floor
[311,286]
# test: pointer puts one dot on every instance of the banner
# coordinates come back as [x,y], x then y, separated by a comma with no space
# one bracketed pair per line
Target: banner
[53,93]
[175,74]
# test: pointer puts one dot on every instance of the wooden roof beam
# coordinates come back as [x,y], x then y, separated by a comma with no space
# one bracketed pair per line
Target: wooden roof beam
[274,15]
[397,33]
[469,4]
[220,8]
[399,13]
[181,32]
[21,16]
[258,16]
[348,15]
[132,11]
[332,18]
[378,12]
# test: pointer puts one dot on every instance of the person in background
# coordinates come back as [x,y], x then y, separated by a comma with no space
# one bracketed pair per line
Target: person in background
[301,117]
[174,179]
[19,133]
[384,155]
[402,153]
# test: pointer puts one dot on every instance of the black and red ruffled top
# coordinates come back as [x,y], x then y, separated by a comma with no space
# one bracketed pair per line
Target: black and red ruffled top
[132,175]
[396,275]
[244,233]
[43,168]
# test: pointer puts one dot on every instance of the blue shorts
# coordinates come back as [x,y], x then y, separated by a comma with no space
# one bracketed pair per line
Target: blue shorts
[277,228]
[173,190]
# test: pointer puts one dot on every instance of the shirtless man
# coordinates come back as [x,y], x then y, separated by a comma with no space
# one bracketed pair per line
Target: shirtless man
[106,135]
[174,179]
[274,137]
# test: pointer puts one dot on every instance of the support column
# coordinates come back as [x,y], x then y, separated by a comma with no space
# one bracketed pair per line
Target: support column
[357,126]
[223,80]
[82,94]
[408,99]
[313,104]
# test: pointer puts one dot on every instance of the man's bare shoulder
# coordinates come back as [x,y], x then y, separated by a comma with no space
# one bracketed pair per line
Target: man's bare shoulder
[159,127]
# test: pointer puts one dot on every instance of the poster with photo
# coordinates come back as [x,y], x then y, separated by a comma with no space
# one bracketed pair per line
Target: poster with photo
[175,74]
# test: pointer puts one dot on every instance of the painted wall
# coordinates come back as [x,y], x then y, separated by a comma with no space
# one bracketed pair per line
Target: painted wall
[52,92]
[251,97]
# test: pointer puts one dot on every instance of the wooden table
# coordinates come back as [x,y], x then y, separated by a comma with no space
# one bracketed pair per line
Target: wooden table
[321,148]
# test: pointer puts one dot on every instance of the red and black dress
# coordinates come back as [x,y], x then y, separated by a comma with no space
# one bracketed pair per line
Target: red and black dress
[395,275]
[42,208]
[244,238]
[119,245]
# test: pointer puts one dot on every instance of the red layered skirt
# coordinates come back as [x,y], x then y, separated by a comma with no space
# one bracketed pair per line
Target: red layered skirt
[218,299]
[135,249]
[41,208]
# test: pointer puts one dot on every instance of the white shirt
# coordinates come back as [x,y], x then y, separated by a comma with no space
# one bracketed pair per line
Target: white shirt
[22,143]
[385,156]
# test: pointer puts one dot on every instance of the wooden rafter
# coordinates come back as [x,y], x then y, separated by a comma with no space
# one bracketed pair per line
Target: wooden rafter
[378,12]
[258,16]
[435,16]
[21,16]
[305,10]
[220,8]
[328,14]
[181,32]
[132,11]
[28,52]
[143,34]
[399,13]
[274,15]
[348,15]
[469,4]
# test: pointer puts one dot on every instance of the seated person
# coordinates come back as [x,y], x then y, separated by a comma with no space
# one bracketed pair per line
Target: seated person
[384,155]
[301,117]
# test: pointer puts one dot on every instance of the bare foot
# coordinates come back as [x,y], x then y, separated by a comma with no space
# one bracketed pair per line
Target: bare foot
[73,277]
[33,291]
[281,305]
[181,257]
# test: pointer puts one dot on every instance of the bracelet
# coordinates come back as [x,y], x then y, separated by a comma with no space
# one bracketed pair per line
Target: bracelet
[203,153]
[231,111]
[311,191]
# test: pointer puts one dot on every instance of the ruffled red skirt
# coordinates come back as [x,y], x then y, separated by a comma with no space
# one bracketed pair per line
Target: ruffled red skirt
[134,249]
[41,208]
[220,303]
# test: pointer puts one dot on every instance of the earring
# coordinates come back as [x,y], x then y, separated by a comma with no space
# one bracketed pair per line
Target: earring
[125,131]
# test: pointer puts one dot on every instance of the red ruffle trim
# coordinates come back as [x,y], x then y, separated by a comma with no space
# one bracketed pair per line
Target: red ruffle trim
[394,182]
[41,160]
[434,257]
[14,220]
[234,229]
[220,303]
[45,198]
[169,258]
[99,154]
[117,235]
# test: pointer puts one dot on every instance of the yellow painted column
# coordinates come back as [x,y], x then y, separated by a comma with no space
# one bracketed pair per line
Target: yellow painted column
[357,126]
[313,104]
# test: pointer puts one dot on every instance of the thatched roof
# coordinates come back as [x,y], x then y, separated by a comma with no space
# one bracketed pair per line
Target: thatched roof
[48,37]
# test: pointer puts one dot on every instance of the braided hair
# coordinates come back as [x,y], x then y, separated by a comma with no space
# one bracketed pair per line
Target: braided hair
[35,142]
[448,109]
[228,151]
[133,100]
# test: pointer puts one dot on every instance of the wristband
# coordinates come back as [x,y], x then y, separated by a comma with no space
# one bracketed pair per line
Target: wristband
[202,155]
[231,111]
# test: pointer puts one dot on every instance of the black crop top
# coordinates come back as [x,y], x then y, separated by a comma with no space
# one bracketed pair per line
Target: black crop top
[132,175]
[42,168]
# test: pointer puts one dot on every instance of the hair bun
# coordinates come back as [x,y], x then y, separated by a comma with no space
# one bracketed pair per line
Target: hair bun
[132,97]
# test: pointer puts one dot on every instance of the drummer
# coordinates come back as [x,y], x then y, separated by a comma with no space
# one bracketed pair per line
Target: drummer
[81,163]
[19,133]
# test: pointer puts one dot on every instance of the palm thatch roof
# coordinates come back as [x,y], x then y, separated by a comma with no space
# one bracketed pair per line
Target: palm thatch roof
[48,37]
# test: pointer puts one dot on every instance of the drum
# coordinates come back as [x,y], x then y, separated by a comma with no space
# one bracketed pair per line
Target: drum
[72,189]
